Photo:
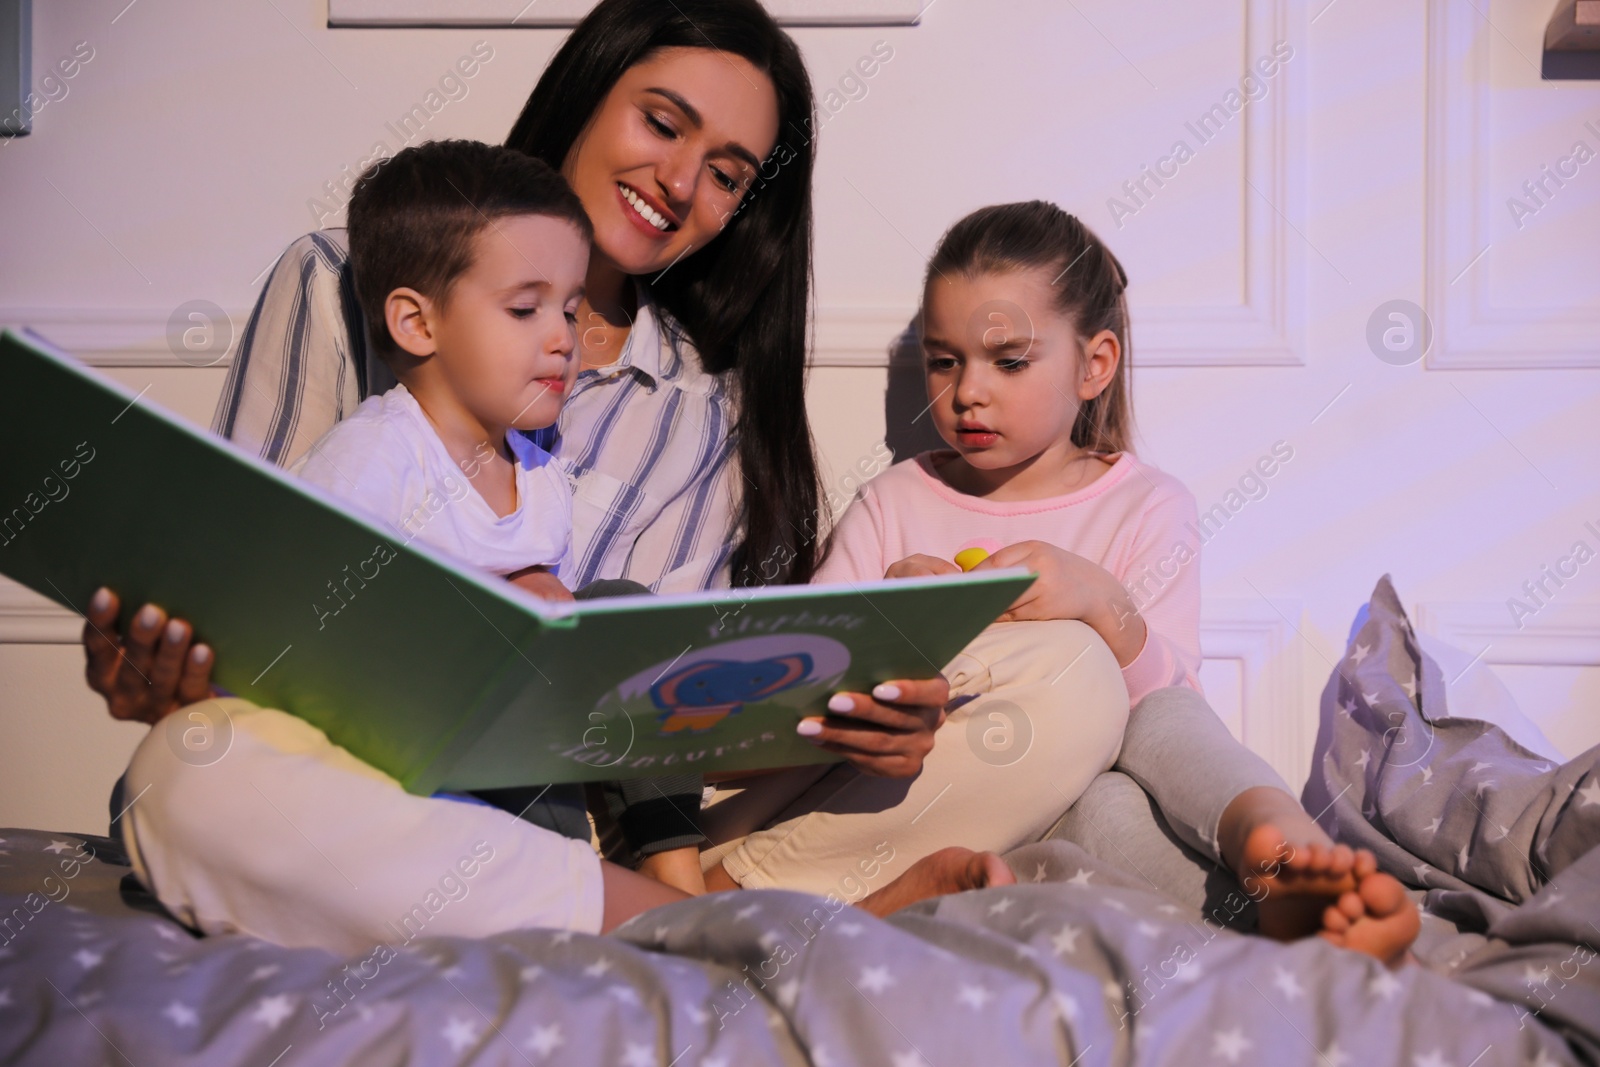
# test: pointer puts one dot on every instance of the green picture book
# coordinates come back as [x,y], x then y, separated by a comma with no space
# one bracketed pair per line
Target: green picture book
[443,676]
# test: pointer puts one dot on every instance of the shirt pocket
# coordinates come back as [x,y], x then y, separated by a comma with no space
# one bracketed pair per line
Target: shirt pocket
[610,517]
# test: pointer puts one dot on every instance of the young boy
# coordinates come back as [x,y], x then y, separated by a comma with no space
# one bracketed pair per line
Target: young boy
[469,263]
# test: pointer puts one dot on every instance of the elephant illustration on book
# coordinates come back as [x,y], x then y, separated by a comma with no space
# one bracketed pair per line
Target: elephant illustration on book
[698,696]
[697,691]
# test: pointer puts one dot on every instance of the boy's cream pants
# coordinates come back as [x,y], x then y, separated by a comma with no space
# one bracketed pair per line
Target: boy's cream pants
[288,837]
[249,819]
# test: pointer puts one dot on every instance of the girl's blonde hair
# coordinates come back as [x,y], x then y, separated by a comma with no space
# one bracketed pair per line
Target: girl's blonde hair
[1090,286]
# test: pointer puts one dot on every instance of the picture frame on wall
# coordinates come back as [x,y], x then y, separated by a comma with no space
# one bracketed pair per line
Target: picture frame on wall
[559,13]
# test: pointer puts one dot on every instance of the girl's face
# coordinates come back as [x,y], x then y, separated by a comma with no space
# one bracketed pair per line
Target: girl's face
[663,163]
[1006,371]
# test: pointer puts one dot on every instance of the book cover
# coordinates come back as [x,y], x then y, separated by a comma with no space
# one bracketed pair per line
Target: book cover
[438,674]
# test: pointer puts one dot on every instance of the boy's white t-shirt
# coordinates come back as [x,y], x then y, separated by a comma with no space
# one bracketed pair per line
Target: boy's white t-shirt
[388,460]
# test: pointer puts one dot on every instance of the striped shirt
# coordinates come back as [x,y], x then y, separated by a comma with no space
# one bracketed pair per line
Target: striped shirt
[645,442]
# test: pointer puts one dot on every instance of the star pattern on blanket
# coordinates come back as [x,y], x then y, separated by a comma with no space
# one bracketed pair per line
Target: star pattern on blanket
[1231,1045]
[974,996]
[271,1011]
[181,1014]
[460,1032]
[1590,794]
[543,1040]
[1067,939]
[1287,983]
[1384,985]
[875,979]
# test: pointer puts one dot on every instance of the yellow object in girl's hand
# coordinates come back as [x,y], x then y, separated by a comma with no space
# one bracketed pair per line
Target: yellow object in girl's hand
[969,558]
[975,552]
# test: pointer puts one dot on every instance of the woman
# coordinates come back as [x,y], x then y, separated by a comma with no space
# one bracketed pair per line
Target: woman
[667,121]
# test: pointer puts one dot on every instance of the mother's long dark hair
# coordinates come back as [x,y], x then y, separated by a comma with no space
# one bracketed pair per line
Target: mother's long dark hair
[741,299]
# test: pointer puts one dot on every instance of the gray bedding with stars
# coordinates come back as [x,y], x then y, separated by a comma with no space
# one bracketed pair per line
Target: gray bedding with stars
[1077,964]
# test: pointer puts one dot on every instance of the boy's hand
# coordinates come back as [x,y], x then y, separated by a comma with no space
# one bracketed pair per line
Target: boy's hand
[541,583]
[1071,587]
[920,566]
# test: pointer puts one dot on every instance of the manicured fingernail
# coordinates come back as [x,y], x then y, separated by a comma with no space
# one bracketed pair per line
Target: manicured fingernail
[886,691]
[148,616]
[841,703]
[808,728]
[100,601]
[200,654]
[174,632]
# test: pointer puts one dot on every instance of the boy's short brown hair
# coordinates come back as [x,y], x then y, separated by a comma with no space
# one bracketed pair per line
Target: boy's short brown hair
[413,218]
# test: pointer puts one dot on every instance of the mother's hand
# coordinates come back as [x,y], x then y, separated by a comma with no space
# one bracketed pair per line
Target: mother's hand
[152,673]
[888,733]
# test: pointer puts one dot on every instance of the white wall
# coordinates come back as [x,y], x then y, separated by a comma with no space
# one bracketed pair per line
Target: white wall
[1377,166]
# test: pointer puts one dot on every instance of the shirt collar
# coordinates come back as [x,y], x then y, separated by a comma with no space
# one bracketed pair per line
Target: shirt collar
[658,349]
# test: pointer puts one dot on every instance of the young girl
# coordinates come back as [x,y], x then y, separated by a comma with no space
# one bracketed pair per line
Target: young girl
[1025,329]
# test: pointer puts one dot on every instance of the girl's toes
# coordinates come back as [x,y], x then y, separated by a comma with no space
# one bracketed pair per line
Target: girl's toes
[1334,921]
[1342,859]
[1351,905]
[1366,864]
[1382,895]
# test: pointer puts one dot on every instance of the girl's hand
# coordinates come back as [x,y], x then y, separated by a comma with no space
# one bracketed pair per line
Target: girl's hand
[1071,587]
[920,566]
[887,734]
[151,674]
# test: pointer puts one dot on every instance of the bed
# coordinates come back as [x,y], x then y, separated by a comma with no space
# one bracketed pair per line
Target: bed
[1079,963]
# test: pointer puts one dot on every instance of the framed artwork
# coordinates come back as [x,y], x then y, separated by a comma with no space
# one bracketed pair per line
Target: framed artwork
[547,13]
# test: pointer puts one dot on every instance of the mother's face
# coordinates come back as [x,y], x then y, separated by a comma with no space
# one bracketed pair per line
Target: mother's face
[668,155]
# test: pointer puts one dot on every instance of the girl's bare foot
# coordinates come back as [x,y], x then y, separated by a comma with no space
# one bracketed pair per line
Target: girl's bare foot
[1377,918]
[1286,863]
[1293,884]
[950,870]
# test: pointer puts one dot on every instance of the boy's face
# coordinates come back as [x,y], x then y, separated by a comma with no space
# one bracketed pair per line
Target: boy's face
[505,339]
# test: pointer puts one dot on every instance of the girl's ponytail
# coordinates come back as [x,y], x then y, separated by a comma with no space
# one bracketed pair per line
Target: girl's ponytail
[1091,290]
